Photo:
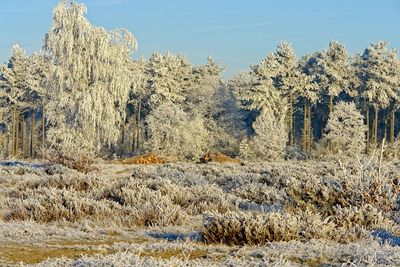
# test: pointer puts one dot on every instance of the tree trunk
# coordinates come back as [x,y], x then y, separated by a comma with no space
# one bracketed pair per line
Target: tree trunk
[138,126]
[43,129]
[134,132]
[17,135]
[2,144]
[122,139]
[330,104]
[385,129]
[32,134]
[309,129]
[304,128]
[376,126]
[367,119]
[291,121]
[23,140]
[14,133]
[392,115]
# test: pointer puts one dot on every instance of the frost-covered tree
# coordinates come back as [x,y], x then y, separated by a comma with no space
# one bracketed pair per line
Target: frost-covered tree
[206,81]
[380,69]
[289,80]
[175,134]
[334,71]
[20,88]
[210,99]
[310,94]
[137,107]
[346,129]
[89,81]
[269,140]
[256,90]
[169,79]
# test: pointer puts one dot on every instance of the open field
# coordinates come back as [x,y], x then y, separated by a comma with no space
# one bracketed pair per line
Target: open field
[184,214]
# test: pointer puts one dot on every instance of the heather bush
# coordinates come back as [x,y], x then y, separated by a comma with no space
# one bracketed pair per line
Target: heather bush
[239,228]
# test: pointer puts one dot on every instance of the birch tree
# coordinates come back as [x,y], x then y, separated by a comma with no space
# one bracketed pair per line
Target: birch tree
[89,80]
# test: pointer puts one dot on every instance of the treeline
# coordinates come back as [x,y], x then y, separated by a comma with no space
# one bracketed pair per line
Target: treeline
[83,96]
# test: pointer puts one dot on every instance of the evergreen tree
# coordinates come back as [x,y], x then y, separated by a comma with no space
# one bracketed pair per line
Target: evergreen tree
[346,129]
[334,71]
[310,94]
[380,72]
[269,140]
[289,80]
[20,88]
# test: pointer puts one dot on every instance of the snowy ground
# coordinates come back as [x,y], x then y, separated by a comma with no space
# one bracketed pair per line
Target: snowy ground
[200,214]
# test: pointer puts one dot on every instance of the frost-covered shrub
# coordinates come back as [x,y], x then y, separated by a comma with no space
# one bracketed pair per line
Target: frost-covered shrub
[345,226]
[346,130]
[46,205]
[70,148]
[238,228]
[260,193]
[146,207]
[269,141]
[295,153]
[365,216]
[392,150]
[73,199]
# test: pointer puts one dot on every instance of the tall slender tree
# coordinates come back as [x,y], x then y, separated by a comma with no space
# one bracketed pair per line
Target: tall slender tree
[310,94]
[289,80]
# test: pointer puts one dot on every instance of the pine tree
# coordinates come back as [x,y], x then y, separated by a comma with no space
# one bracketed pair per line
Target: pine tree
[381,79]
[346,129]
[310,94]
[169,79]
[269,140]
[289,80]
[18,92]
[256,91]
[211,100]
[334,71]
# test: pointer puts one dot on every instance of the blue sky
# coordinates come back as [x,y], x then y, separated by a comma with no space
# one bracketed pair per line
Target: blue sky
[236,33]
